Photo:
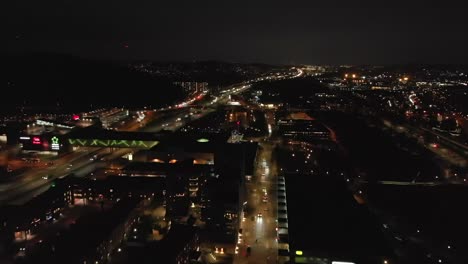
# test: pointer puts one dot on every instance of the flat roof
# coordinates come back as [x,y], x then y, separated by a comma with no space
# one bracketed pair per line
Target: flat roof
[310,125]
[191,142]
[166,167]
[98,133]
[173,244]
[89,231]
[300,116]
[328,222]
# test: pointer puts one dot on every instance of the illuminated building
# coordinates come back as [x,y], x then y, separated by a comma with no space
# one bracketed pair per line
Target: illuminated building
[100,138]
[352,78]
[303,130]
[193,87]
[47,142]
[22,221]
[107,117]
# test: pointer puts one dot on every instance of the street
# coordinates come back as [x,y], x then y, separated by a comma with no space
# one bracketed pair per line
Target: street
[259,222]
[31,182]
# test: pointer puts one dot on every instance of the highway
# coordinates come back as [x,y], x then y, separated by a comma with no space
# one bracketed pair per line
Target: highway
[32,183]
[81,162]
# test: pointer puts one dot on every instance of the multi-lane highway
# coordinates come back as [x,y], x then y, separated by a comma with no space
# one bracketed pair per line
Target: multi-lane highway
[33,182]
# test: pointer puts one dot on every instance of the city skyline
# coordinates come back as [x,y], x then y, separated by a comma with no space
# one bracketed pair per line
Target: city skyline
[213,132]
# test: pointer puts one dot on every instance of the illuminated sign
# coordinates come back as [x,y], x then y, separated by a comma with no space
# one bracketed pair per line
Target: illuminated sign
[76,117]
[36,141]
[25,138]
[299,252]
[112,143]
[202,140]
[55,143]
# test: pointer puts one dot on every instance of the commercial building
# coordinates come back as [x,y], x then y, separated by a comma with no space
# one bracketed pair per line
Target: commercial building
[302,130]
[107,117]
[185,183]
[114,188]
[100,138]
[46,143]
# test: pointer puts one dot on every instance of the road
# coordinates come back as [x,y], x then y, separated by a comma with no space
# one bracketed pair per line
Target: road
[80,162]
[31,183]
[450,152]
[259,232]
[32,180]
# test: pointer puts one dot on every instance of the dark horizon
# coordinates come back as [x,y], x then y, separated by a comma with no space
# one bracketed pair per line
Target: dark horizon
[131,61]
[306,33]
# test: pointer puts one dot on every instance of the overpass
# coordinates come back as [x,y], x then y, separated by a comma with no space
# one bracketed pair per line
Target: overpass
[100,138]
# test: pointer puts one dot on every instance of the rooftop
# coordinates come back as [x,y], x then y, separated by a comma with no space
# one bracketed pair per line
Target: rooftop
[97,133]
[166,250]
[193,142]
[165,168]
[336,226]
[89,231]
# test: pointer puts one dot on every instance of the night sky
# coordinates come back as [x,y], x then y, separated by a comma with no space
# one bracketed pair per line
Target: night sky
[265,31]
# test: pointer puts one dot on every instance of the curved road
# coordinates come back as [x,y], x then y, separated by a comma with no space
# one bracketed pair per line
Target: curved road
[31,183]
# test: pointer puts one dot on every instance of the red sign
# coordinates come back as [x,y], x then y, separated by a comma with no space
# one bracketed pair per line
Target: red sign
[36,140]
